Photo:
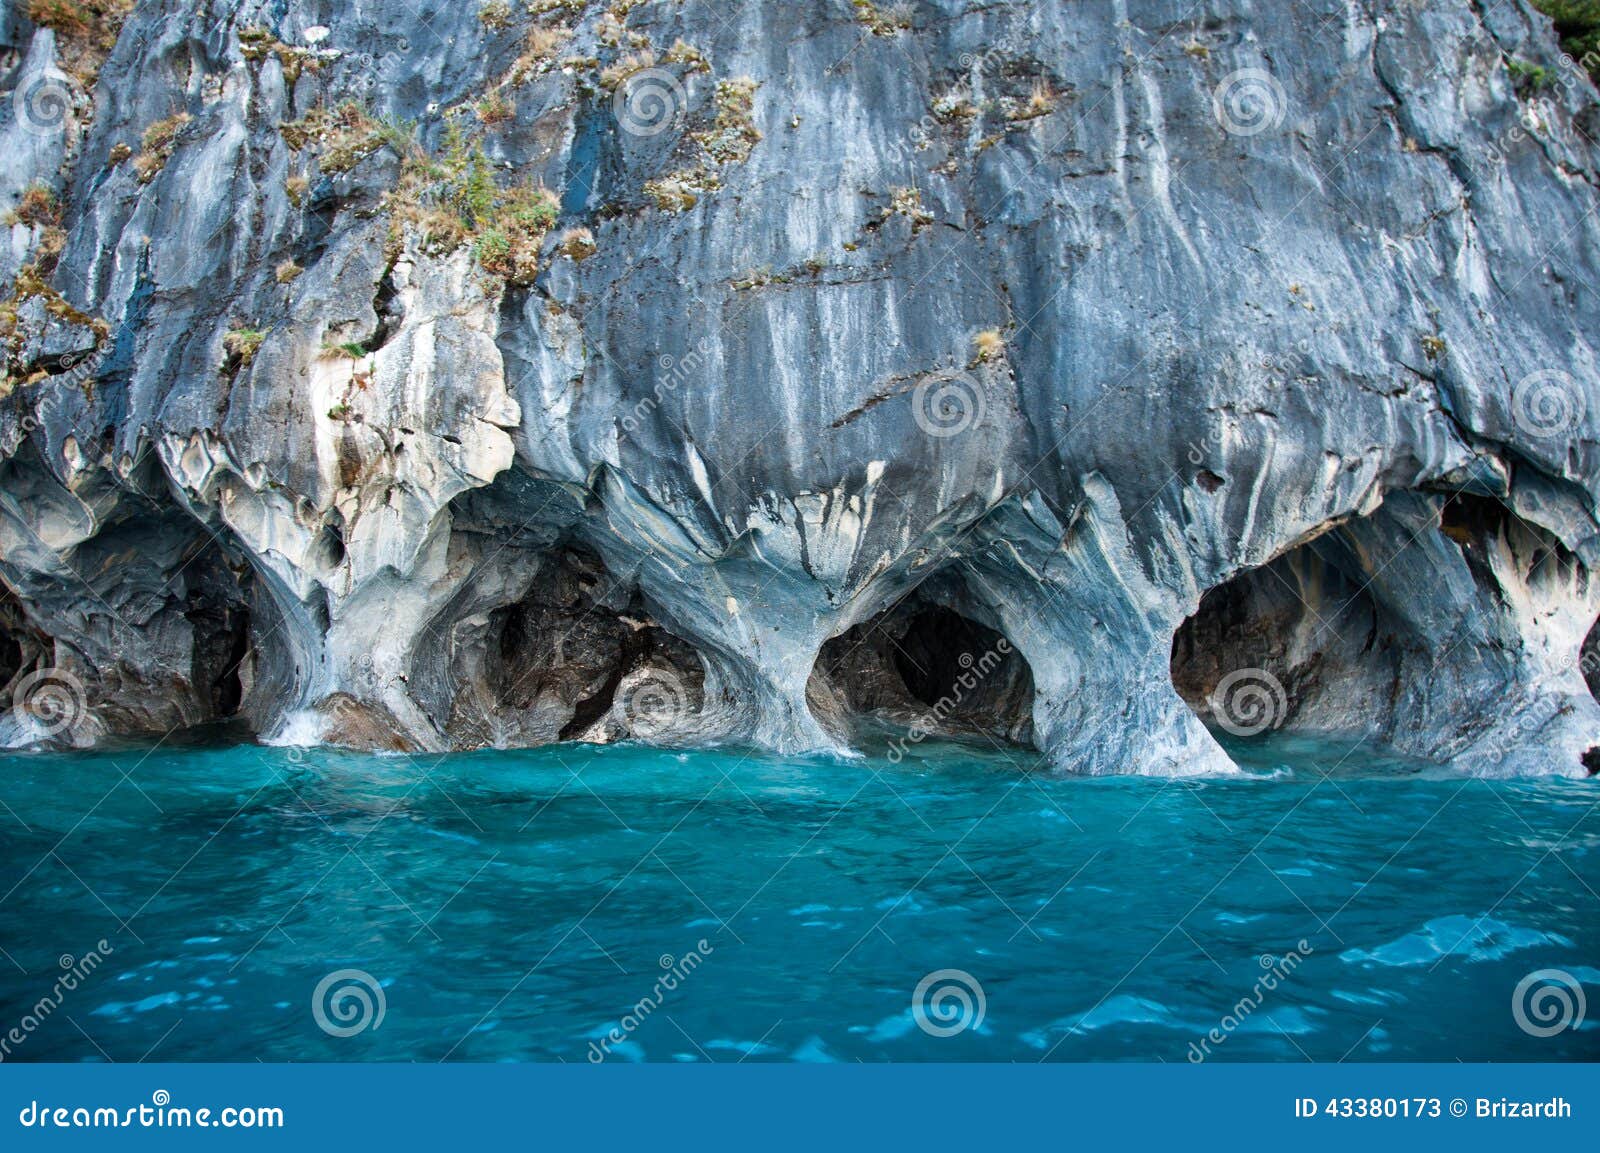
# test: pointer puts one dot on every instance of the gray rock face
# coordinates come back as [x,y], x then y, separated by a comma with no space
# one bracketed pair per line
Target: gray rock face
[1102,372]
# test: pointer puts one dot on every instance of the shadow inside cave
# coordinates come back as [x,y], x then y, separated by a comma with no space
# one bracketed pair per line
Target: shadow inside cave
[923,666]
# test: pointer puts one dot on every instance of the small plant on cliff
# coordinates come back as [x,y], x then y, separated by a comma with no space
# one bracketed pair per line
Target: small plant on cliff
[495,15]
[453,198]
[517,223]
[86,31]
[37,206]
[734,132]
[907,202]
[257,43]
[241,345]
[494,109]
[988,346]
[157,144]
[576,244]
[63,17]
[1041,102]
[344,136]
[883,21]
[614,74]
[687,54]
[539,53]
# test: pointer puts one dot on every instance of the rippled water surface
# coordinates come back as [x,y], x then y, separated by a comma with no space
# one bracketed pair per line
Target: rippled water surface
[518,905]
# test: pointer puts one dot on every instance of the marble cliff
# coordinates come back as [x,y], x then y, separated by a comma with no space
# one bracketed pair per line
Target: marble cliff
[1094,376]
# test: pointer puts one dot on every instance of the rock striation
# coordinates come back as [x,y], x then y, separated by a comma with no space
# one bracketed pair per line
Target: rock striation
[1093,377]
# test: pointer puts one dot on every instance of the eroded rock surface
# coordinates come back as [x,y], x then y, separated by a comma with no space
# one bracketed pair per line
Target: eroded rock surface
[437,378]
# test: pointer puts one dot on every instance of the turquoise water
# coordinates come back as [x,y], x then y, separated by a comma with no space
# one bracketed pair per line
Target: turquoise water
[518,905]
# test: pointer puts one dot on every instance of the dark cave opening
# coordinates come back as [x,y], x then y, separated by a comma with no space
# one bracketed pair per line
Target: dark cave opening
[567,659]
[16,645]
[221,654]
[1346,633]
[227,688]
[922,665]
[1297,644]
[222,649]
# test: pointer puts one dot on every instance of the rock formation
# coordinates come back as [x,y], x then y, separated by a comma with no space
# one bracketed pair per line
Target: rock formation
[433,376]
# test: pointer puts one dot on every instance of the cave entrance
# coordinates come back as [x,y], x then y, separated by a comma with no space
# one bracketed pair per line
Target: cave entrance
[222,655]
[581,658]
[10,647]
[1296,644]
[921,665]
[1339,635]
